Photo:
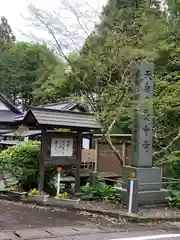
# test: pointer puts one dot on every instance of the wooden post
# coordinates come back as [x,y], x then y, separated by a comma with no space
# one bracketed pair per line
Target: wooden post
[78,165]
[41,162]
[96,154]
[124,152]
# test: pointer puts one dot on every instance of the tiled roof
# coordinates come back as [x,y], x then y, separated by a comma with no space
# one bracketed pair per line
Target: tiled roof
[9,142]
[65,105]
[9,104]
[23,134]
[59,118]
[7,116]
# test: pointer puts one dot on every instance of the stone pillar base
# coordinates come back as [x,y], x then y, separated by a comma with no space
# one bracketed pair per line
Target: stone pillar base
[147,197]
[149,185]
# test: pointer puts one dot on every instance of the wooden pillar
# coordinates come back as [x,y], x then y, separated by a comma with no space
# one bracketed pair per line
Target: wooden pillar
[96,154]
[41,162]
[78,165]
[124,152]
[90,142]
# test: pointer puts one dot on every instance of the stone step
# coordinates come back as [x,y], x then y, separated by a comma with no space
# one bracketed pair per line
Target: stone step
[38,233]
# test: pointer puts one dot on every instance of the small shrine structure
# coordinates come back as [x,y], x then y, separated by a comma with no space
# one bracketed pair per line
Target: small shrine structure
[57,147]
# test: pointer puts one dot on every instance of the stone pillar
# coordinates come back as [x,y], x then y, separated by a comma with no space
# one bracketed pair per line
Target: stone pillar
[143,117]
[142,140]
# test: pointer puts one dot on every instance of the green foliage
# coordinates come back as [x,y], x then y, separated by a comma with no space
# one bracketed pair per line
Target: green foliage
[174,199]
[21,162]
[104,70]
[172,169]
[176,164]
[50,88]
[30,73]
[101,191]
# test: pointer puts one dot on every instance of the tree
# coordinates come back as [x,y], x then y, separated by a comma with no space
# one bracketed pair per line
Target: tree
[109,58]
[25,67]
[103,72]
[6,34]
[167,130]
[50,89]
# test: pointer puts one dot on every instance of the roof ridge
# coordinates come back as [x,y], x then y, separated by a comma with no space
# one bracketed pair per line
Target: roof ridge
[59,110]
[57,103]
[9,104]
[71,103]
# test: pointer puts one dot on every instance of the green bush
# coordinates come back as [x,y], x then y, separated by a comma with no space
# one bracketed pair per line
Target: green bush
[172,170]
[101,191]
[174,199]
[176,165]
[21,162]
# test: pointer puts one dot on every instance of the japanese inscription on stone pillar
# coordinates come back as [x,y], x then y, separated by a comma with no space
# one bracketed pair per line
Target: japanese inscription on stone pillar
[143,117]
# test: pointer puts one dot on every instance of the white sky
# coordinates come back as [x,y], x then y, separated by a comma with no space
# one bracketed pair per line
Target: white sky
[14,9]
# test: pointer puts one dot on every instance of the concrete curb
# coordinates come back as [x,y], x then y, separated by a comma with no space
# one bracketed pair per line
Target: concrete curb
[133,218]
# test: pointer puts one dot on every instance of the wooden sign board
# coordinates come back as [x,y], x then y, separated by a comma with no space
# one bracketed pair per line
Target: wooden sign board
[88,155]
[60,148]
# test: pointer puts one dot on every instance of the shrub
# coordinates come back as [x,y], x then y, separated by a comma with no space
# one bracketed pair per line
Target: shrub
[172,169]
[101,191]
[21,162]
[174,199]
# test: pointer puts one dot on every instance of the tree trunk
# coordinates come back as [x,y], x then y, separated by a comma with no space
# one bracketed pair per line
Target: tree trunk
[114,149]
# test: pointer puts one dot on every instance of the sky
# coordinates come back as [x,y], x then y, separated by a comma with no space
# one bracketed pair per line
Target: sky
[17,10]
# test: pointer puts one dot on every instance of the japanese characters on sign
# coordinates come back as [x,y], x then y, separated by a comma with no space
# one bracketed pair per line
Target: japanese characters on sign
[146,115]
[61,147]
[148,75]
[143,117]
[147,87]
[146,145]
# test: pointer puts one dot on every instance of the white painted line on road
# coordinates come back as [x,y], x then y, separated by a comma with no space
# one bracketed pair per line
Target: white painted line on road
[170,236]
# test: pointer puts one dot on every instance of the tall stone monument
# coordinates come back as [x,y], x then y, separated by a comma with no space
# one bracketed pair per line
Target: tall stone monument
[148,177]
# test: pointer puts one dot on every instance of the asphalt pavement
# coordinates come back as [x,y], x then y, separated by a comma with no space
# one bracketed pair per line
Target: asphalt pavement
[28,221]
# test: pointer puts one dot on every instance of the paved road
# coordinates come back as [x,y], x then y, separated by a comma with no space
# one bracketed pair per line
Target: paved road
[19,221]
[86,233]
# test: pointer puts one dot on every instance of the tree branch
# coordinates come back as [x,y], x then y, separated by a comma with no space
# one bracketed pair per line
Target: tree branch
[116,152]
[169,145]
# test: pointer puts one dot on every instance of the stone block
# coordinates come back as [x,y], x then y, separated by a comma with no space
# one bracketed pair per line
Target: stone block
[147,176]
[7,236]
[33,233]
[61,231]
[147,197]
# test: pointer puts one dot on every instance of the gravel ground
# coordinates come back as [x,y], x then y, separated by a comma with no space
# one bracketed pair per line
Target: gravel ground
[144,211]
[18,217]
[14,215]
